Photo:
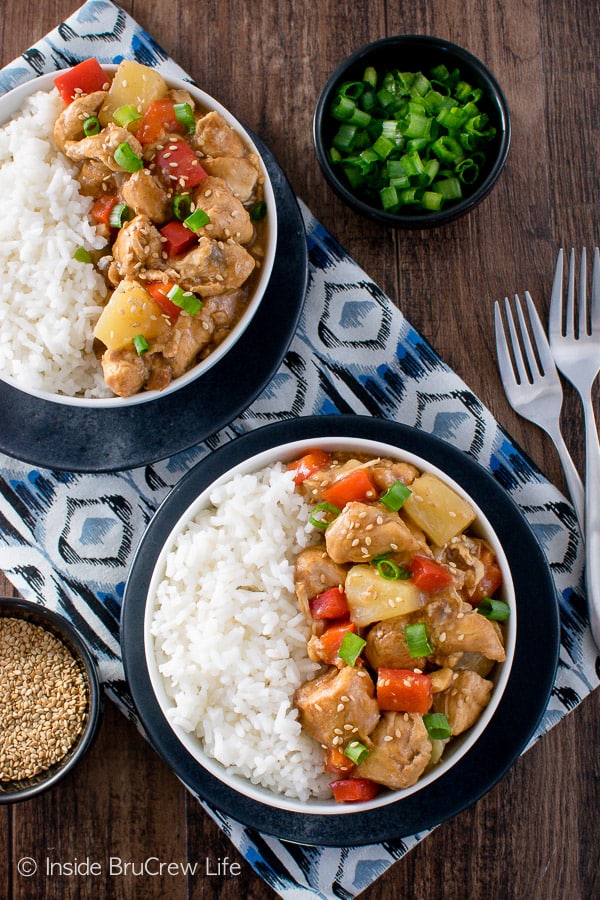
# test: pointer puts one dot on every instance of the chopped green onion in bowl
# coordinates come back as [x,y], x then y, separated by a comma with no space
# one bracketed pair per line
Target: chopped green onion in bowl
[400,134]
[411,131]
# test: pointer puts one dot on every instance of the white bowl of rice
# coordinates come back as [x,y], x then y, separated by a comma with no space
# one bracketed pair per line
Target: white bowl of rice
[225,640]
[50,302]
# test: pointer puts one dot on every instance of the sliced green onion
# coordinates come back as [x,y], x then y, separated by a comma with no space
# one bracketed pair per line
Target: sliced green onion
[141,344]
[417,640]
[258,211]
[388,569]
[197,220]
[437,726]
[332,513]
[449,188]
[185,116]
[185,300]
[497,610]
[125,115]
[127,159]
[396,495]
[356,752]
[468,171]
[91,126]
[119,214]
[182,204]
[82,255]
[351,647]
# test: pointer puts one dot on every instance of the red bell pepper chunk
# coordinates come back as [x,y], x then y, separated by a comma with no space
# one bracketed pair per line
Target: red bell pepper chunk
[331,640]
[337,763]
[330,604]
[84,78]
[179,163]
[177,237]
[356,485]
[159,293]
[427,574]
[308,464]
[351,790]
[102,208]
[402,690]
[157,121]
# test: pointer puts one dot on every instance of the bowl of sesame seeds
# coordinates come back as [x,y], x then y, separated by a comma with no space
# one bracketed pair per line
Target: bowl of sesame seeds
[50,697]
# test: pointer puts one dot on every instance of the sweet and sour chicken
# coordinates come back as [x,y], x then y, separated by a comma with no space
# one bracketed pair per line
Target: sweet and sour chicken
[180,200]
[405,621]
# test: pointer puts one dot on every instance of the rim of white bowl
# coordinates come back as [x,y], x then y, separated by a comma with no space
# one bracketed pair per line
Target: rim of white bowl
[12,101]
[460,745]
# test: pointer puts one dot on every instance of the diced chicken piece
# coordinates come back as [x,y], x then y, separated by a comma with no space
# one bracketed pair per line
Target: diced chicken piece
[185,341]
[95,179]
[179,95]
[363,531]
[338,706]
[239,173]
[214,137]
[399,751]
[315,572]
[454,627]
[387,648]
[145,196]
[386,471]
[228,218]
[102,146]
[125,372]
[161,373]
[225,310]
[441,679]
[475,565]
[138,246]
[214,267]
[463,702]
[69,124]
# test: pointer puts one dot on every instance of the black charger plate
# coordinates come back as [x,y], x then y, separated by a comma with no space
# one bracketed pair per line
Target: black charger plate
[106,439]
[518,714]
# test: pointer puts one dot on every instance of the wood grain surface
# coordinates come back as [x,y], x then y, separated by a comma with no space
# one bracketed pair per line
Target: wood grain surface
[537,834]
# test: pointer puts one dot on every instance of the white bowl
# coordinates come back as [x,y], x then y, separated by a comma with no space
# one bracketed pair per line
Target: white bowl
[456,749]
[12,102]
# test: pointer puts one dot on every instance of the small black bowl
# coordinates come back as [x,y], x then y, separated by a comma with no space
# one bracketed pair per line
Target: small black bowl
[415,53]
[57,625]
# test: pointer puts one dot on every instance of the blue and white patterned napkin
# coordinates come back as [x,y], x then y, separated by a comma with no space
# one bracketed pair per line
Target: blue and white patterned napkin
[67,539]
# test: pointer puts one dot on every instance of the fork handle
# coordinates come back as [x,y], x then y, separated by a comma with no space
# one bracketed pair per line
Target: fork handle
[574,482]
[592,519]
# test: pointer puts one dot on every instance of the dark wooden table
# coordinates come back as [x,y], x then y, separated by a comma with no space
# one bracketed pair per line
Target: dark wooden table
[537,834]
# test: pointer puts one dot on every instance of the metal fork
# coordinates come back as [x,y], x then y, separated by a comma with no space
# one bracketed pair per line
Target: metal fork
[575,343]
[532,384]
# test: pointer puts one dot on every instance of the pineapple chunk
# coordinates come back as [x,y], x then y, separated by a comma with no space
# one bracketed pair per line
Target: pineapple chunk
[129,312]
[133,85]
[437,509]
[372,598]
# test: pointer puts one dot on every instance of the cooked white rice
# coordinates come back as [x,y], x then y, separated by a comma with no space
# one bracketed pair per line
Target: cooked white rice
[49,302]
[230,640]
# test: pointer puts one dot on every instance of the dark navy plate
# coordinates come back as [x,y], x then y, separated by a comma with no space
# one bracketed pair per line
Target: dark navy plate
[514,722]
[104,439]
